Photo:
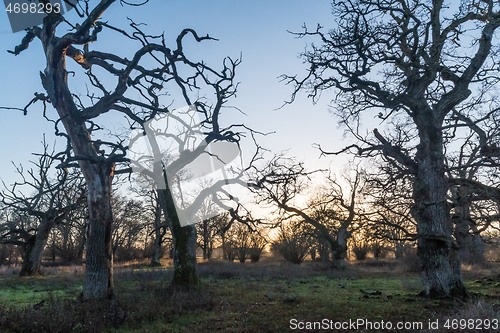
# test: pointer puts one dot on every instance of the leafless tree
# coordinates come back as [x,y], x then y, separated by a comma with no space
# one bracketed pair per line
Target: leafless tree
[389,194]
[293,242]
[477,159]
[158,228]
[147,83]
[330,215]
[69,237]
[223,223]
[406,62]
[237,234]
[130,221]
[194,142]
[207,232]
[34,216]
[242,241]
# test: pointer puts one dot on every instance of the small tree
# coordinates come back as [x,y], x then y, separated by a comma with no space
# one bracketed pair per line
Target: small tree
[207,231]
[130,221]
[223,224]
[329,216]
[230,250]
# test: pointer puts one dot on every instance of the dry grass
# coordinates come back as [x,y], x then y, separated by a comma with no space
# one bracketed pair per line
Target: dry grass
[234,297]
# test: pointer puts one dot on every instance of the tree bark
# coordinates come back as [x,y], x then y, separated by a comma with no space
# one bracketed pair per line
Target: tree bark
[34,249]
[340,251]
[97,171]
[185,274]
[438,256]
[26,255]
[184,240]
[98,281]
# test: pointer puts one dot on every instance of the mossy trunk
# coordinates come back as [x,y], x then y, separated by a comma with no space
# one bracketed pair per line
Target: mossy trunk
[185,266]
[184,240]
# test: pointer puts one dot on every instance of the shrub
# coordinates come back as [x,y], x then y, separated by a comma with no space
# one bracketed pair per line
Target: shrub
[361,251]
[255,253]
[258,243]
[293,244]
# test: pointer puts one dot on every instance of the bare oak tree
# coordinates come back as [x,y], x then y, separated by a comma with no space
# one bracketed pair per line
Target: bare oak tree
[147,83]
[405,60]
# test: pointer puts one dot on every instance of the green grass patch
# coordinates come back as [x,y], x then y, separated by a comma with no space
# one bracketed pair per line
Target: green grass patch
[234,298]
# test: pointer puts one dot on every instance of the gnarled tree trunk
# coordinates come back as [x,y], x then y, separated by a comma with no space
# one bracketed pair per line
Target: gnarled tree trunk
[185,274]
[32,260]
[97,171]
[98,281]
[438,256]
[26,255]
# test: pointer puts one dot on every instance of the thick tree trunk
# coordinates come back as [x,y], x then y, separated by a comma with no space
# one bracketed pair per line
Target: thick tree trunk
[437,253]
[185,274]
[184,239]
[34,250]
[97,171]
[98,283]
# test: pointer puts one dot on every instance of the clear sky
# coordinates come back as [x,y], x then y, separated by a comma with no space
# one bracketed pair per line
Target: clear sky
[255,29]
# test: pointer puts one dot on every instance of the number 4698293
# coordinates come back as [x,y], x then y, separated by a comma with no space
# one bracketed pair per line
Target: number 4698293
[32,8]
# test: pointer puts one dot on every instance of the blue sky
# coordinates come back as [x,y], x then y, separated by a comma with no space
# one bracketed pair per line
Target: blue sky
[255,29]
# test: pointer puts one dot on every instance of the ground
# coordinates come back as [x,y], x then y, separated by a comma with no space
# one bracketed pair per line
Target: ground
[269,296]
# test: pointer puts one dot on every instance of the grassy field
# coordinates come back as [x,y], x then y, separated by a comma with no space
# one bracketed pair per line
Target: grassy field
[269,296]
